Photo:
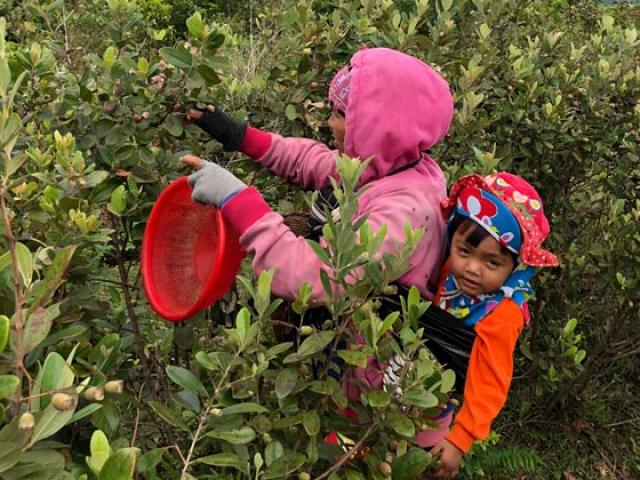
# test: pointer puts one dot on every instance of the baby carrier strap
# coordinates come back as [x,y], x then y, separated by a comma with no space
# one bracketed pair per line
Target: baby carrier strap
[450,341]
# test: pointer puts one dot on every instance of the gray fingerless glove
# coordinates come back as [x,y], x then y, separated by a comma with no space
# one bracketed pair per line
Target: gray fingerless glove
[214,185]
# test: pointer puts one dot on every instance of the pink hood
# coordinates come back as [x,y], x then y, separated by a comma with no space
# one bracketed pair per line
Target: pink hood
[398,107]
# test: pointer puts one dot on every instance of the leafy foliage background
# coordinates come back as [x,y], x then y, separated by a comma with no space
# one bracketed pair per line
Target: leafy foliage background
[90,137]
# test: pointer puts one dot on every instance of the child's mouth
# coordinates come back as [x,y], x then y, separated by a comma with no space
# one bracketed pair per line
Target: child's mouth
[470,284]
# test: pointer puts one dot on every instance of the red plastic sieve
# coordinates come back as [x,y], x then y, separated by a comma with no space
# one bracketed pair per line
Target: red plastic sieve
[190,256]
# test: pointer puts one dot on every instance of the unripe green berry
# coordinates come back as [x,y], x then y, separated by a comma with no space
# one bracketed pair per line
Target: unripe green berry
[27,422]
[94,394]
[114,386]
[62,402]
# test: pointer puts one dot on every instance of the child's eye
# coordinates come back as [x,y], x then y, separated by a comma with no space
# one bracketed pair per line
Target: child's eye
[494,264]
[463,250]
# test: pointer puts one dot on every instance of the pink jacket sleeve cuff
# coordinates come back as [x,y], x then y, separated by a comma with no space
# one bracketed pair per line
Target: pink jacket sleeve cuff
[460,438]
[245,208]
[255,143]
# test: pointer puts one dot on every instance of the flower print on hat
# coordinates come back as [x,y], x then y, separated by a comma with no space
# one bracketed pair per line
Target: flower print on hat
[491,214]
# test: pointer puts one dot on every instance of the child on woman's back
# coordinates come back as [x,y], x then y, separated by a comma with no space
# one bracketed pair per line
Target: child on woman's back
[495,230]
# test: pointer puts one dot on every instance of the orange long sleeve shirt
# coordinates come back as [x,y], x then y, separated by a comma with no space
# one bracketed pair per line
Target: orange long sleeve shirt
[488,375]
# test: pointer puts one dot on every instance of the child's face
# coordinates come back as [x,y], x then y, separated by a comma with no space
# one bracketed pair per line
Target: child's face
[336,123]
[480,269]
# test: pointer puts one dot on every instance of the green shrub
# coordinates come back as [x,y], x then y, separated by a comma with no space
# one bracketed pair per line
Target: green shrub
[549,93]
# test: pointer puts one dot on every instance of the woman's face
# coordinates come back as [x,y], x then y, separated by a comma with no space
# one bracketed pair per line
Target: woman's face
[336,123]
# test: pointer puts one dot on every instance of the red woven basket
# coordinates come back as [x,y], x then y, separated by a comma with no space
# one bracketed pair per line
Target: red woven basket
[190,256]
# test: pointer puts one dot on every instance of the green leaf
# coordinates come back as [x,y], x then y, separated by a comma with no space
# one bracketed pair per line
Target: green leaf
[411,464]
[290,112]
[173,125]
[354,357]
[243,323]
[320,252]
[419,397]
[99,443]
[205,361]
[286,381]
[8,385]
[238,436]
[278,349]
[121,465]
[284,466]
[118,201]
[108,57]
[448,381]
[290,17]
[244,408]
[5,75]
[178,57]
[196,26]
[5,261]
[45,289]
[96,462]
[9,455]
[388,322]
[50,422]
[12,128]
[352,474]
[37,464]
[214,41]
[311,422]
[378,398]
[68,333]
[208,74]
[25,263]
[84,412]
[36,328]
[169,415]
[224,460]
[186,379]
[401,424]
[4,332]
[14,163]
[55,374]
[315,343]
[273,451]
[148,462]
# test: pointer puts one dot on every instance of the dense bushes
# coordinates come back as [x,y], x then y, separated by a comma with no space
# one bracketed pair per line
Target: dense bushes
[550,92]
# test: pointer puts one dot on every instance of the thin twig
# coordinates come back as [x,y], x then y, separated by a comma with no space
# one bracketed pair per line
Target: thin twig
[135,425]
[119,250]
[114,282]
[196,437]
[623,422]
[18,296]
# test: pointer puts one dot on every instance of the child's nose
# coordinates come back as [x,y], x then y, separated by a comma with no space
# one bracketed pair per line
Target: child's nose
[474,267]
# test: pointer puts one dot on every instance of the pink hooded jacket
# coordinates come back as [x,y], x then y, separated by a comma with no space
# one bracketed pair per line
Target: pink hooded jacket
[398,108]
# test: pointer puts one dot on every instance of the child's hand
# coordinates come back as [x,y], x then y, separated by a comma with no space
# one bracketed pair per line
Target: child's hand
[192,161]
[450,458]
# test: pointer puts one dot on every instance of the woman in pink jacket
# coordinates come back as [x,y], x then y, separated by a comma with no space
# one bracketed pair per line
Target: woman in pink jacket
[387,106]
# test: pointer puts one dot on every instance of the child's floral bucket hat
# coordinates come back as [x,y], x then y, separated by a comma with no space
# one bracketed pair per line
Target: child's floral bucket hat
[523,202]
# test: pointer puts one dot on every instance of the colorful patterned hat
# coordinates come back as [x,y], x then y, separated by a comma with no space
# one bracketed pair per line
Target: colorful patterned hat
[523,202]
[339,89]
